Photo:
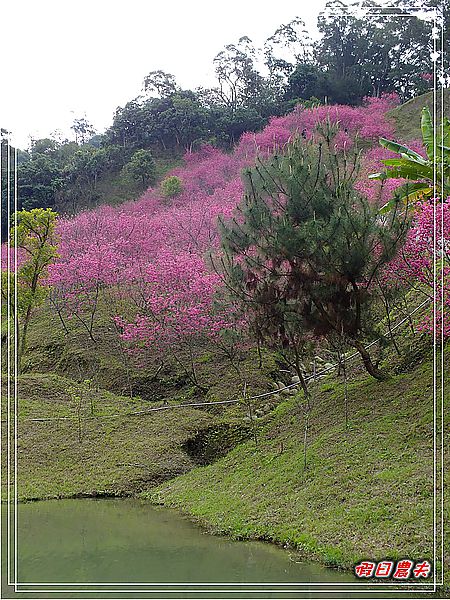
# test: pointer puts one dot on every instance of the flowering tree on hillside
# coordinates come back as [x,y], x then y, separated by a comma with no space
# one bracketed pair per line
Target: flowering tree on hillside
[89,259]
[423,263]
[154,251]
[175,309]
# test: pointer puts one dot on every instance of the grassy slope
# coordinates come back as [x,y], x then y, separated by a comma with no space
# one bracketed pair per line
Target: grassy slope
[407,116]
[75,355]
[367,490]
[120,455]
[116,456]
[116,188]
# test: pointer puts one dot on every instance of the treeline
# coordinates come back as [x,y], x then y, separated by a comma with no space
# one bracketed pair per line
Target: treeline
[361,52]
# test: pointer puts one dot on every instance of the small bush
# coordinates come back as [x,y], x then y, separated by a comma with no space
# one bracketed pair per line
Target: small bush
[171,186]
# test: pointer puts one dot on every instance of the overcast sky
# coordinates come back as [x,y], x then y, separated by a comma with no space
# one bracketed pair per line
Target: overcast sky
[67,58]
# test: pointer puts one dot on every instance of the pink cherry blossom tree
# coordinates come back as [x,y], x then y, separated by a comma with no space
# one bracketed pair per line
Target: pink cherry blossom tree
[424,264]
[155,250]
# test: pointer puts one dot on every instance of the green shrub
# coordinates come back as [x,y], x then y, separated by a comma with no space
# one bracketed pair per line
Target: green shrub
[171,186]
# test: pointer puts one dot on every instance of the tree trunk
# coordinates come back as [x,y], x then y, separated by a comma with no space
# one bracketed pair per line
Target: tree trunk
[300,375]
[368,364]
[23,341]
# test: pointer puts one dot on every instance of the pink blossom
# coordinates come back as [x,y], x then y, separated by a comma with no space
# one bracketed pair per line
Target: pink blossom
[424,261]
[156,250]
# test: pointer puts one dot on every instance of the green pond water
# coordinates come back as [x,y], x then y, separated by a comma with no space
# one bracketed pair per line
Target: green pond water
[118,541]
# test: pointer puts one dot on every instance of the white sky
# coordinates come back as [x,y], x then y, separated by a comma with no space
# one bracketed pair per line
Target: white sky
[62,59]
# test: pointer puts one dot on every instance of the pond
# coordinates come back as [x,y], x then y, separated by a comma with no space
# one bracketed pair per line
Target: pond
[125,540]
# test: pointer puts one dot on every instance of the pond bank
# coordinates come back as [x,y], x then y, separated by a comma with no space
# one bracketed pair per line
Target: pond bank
[367,491]
[130,541]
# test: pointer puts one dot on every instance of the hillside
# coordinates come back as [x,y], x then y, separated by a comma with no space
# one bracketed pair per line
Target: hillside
[103,424]
[116,188]
[375,474]
[407,116]
[367,490]
[109,451]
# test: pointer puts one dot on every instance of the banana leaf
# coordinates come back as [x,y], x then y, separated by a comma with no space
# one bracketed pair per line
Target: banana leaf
[394,162]
[443,134]
[409,192]
[404,170]
[388,206]
[408,171]
[400,149]
[426,125]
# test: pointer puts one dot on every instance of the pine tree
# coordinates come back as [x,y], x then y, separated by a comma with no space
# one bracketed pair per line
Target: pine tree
[304,247]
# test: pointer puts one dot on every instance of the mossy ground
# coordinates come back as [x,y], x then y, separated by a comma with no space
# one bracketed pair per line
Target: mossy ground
[101,453]
[152,376]
[91,444]
[368,487]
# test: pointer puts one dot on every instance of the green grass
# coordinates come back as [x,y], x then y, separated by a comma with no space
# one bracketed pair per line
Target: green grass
[367,490]
[119,455]
[122,454]
[407,116]
[76,356]
[116,188]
